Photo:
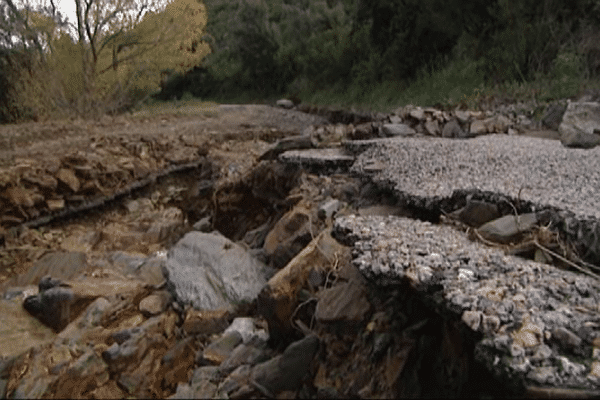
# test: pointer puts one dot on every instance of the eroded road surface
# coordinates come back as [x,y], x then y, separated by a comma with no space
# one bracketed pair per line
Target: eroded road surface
[254,251]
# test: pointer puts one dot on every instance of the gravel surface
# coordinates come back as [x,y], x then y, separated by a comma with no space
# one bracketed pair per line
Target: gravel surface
[538,322]
[541,171]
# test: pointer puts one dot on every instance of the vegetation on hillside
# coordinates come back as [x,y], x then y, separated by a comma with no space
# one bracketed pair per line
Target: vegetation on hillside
[372,53]
[378,53]
[112,56]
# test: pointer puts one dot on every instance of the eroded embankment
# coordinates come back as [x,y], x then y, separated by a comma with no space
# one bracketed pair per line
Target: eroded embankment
[532,325]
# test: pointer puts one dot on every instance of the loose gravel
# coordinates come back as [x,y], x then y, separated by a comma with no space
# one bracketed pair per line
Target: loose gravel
[538,170]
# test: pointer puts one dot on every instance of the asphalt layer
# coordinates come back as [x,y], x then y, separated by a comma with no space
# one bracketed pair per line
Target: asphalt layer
[526,168]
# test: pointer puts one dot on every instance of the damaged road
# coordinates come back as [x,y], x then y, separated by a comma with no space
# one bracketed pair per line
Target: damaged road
[260,252]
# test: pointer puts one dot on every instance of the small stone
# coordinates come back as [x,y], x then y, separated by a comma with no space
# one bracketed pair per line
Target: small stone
[432,127]
[155,303]
[543,375]
[219,351]
[328,209]
[20,196]
[203,225]
[472,319]
[507,228]
[595,370]
[490,323]
[453,130]
[394,119]
[285,103]
[205,322]
[67,176]
[571,368]
[236,379]
[477,213]
[417,113]
[246,327]
[543,352]
[566,338]
[462,116]
[478,127]
[287,371]
[397,130]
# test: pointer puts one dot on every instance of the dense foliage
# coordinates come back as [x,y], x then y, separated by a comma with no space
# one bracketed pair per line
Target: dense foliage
[115,54]
[275,47]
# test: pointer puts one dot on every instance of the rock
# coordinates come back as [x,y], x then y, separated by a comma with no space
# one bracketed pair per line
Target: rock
[345,304]
[278,300]
[155,303]
[499,124]
[329,208]
[394,119]
[252,353]
[554,115]
[285,103]
[201,386]
[580,140]
[52,307]
[397,130]
[566,338]
[44,181]
[20,197]
[287,371]
[477,213]
[508,228]
[324,160]
[299,142]
[178,362]
[247,329]
[255,238]
[88,371]
[453,130]
[236,380]
[289,236]
[417,113]
[203,225]
[205,322]
[432,127]
[58,303]
[210,272]
[67,177]
[579,124]
[364,131]
[161,224]
[462,116]
[478,127]
[219,350]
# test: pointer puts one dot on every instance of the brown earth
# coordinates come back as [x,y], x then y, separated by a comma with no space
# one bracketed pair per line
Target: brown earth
[47,168]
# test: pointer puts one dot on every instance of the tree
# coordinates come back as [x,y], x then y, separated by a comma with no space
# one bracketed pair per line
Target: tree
[110,57]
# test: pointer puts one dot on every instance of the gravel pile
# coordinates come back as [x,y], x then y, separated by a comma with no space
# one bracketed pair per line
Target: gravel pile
[538,170]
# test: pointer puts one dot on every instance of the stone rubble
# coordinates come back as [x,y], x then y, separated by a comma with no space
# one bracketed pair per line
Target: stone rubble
[395,307]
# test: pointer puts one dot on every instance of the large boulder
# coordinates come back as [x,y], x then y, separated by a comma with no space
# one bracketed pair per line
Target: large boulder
[579,124]
[209,271]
